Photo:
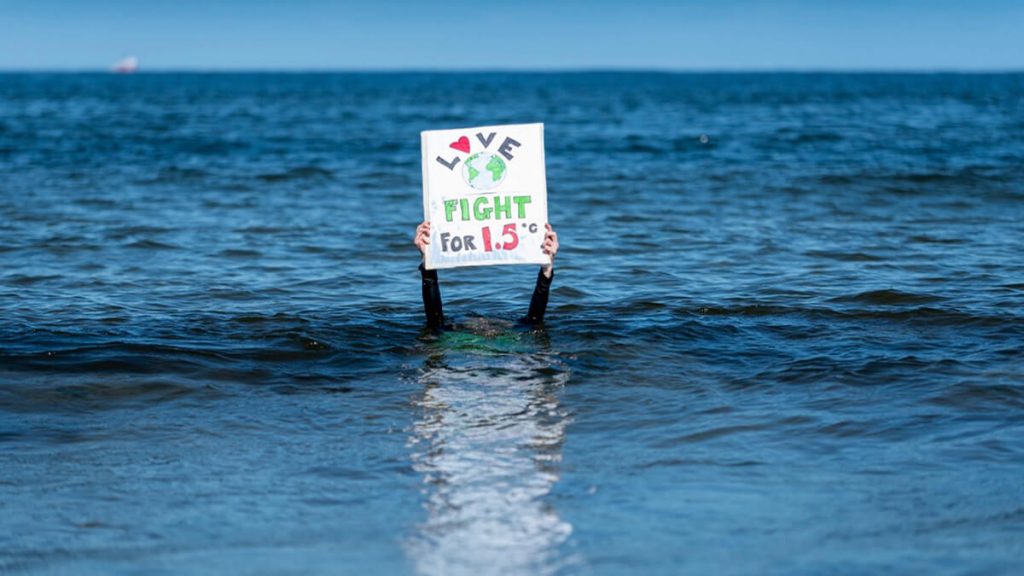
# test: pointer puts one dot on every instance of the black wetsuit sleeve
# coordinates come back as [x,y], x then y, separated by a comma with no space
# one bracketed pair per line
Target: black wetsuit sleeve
[431,297]
[539,301]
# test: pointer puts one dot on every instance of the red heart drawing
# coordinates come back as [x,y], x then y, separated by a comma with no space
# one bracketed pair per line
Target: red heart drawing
[461,144]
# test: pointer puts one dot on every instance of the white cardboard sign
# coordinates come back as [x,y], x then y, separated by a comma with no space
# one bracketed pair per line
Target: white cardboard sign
[485,195]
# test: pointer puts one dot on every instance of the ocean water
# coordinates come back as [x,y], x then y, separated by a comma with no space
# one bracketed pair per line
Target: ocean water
[785,336]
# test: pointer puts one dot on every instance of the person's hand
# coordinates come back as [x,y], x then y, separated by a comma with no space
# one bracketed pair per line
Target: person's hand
[550,248]
[422,238]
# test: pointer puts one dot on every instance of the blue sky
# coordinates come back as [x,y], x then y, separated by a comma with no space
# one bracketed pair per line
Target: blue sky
[316,34]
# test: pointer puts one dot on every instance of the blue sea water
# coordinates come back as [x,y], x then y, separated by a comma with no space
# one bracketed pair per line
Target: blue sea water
[786,331]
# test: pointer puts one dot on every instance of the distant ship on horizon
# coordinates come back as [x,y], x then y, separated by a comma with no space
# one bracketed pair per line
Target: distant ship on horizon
[126,65]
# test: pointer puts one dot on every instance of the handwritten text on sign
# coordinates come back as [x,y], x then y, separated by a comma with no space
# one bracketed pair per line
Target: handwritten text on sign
[485,195]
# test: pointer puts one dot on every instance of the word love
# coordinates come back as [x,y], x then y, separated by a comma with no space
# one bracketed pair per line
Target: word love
[462,145]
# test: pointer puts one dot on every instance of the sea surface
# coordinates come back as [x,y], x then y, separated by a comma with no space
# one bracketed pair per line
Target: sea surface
[785,336]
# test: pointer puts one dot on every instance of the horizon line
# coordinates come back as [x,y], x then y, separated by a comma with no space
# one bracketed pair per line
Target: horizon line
[515,70]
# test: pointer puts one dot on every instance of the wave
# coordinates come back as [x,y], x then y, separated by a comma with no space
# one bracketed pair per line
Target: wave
[125,232]
[917,314]
[297,173]
[888,297]
[242,253]
[844,256]
[148,244]
[87,392]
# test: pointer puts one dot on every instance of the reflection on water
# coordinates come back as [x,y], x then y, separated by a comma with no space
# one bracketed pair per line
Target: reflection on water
[488,444]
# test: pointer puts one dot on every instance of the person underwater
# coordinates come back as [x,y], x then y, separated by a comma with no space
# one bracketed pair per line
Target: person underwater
[432,306]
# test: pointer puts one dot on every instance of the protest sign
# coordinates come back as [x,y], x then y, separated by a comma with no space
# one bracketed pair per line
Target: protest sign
[485,195]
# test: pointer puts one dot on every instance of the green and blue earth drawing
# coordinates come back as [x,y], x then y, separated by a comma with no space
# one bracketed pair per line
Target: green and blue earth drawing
[484,171]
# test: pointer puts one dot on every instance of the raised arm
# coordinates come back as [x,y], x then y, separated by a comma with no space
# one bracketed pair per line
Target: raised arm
[539,301]
[428,278]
